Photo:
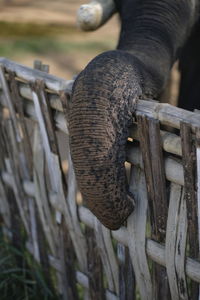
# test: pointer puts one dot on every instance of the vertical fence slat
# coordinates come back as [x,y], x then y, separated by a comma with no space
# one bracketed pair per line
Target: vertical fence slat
[160,205]
[189,159]
[8,101]
[10,130]
[107,254]
[54,170]
[150,145]
[198,184]
[181,245]
[137,234]
[41,194]
[62,198]
[155,175]
[37,243]
[18,104]
[175,195]
[4,205]
[48,135]
[127,285]
[6,218]
[95,269]
[189,166]
[198,178]
[9,207]
[69,262]
[176,238]
[25,155]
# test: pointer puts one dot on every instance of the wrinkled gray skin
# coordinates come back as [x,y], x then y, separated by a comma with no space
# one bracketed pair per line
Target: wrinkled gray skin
[105,95]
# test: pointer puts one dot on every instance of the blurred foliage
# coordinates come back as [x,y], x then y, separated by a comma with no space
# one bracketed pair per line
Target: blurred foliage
[46,45]
[20,38]
[13,29]
[21,278]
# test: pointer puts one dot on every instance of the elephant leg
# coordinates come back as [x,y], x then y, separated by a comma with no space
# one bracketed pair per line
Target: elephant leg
[189,65]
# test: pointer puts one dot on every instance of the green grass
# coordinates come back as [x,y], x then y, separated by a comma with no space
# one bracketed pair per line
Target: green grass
[20,39]
[21,278]
[46,46]
[13,29]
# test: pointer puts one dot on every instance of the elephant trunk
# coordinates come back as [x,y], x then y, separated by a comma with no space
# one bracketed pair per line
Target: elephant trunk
[155,31]
[104,96]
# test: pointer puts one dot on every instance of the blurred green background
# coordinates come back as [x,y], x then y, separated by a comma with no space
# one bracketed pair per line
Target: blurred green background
[46,30]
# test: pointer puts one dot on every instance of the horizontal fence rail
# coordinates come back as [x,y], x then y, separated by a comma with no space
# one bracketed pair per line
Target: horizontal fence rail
[157,252]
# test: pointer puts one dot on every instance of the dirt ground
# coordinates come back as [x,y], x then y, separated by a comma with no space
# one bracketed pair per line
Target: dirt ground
[62,13]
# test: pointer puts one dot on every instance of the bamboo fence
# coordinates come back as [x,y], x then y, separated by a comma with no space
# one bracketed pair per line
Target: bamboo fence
[157,253]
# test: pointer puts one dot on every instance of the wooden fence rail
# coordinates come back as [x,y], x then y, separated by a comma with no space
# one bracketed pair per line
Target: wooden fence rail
[157,253]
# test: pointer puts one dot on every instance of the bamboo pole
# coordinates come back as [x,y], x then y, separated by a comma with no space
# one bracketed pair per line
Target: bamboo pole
[173,171]
[171,142]
[155,251]
[165,113]
[28,74]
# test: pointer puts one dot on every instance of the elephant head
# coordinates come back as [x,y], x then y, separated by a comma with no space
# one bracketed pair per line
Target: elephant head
[105,94]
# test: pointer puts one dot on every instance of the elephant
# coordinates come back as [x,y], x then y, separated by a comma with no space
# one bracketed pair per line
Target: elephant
[154,34]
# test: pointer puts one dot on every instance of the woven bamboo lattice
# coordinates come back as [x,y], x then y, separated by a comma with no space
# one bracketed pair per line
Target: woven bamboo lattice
[157,252]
